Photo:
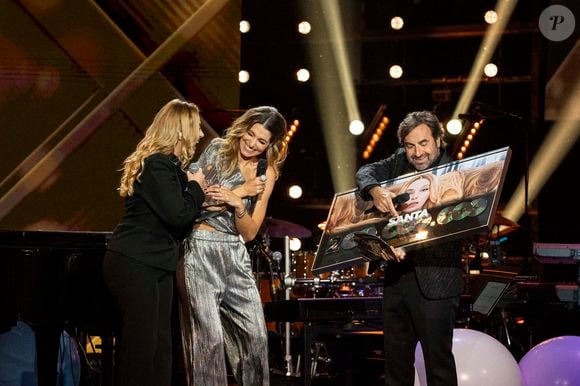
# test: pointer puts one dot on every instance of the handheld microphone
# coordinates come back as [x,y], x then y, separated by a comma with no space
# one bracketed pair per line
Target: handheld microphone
[260,170]
[193,167]
[397,200]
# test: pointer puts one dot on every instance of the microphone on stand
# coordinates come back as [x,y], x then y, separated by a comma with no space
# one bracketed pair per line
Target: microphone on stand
[277,256]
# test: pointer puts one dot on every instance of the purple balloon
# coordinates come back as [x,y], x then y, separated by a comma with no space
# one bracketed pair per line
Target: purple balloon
[555,361]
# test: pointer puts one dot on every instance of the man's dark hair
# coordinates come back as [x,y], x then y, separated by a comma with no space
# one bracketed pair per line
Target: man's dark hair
[416,118]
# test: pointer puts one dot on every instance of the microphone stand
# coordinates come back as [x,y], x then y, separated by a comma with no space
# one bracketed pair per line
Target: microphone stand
[518,125]
[527,221]
[288,352]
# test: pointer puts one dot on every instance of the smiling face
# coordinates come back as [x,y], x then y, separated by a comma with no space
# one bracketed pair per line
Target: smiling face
[418,195]
[421,148]
[254,141]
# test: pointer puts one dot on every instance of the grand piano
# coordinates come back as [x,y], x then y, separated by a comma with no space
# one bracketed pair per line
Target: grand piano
[53,282]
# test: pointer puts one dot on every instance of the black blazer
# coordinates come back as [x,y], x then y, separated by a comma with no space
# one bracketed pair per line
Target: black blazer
[438,267]
[159,214]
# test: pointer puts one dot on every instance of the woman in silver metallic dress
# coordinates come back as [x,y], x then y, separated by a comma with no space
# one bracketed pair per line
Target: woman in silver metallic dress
[221,310]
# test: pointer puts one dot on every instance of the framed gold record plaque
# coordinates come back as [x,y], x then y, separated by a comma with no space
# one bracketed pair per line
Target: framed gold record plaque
[448,201]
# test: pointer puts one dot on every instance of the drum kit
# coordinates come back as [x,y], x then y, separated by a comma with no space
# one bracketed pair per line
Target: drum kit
[283,278]
[272,280]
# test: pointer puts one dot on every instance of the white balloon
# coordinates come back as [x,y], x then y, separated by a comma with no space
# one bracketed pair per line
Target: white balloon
[481,360]
[417,380]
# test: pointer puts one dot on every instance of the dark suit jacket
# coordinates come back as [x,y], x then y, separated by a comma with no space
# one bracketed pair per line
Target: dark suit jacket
[438,267]
[159,214]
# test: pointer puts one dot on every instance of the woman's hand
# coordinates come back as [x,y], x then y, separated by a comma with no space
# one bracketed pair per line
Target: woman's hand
[223,195]
[198,177]
[254,186]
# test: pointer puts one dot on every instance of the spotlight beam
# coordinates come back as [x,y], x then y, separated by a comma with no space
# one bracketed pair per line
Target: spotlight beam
[488,45]
[558,142]
[336,100]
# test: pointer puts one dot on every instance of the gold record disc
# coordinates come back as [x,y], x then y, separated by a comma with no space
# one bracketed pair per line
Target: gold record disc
[444,216]
[460,211]
[478,205]
[426,220]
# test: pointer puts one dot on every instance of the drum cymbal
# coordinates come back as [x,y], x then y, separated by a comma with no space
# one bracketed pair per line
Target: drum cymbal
[277,228]
[503,225]
[501,220]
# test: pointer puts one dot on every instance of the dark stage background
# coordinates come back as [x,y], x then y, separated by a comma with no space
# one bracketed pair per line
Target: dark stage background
[80,81]
[63,60]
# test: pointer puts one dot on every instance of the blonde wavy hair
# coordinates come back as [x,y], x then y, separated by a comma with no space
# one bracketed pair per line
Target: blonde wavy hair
[272,120]
[433,199]
[176,122]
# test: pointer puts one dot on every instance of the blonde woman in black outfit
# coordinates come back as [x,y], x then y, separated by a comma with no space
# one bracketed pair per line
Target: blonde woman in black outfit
[161,201]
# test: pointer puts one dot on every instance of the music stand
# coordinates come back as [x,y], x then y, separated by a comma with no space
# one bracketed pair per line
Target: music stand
[489,297]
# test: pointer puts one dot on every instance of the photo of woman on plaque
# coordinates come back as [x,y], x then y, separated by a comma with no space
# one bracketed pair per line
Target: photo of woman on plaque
[482,179]
[351,212]
[467,183]
[422,191]
[347,212]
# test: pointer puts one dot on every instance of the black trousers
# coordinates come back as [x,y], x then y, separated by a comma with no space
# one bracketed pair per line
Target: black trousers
[144,296]
[409,318]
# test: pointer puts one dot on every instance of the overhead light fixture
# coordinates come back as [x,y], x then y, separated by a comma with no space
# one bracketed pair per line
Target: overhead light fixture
[454,126]
[303,75]
[243,76]
[304,27]
[381,121]
[490,17]
[245,26]
[295,191]
[356,127]
[295,244]
[396,71]
[397,23]
[490,70]
[291,131]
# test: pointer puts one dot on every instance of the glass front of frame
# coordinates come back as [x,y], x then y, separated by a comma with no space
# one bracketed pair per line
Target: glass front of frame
[448,201]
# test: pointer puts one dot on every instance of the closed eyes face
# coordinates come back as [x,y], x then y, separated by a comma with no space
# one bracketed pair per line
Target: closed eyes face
[198,134]
[255,141]
[420,147]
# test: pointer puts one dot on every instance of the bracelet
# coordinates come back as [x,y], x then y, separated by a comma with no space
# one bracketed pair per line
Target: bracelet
[242,213]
